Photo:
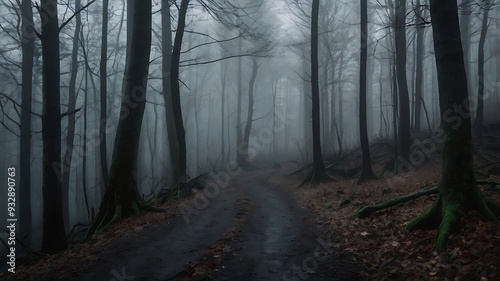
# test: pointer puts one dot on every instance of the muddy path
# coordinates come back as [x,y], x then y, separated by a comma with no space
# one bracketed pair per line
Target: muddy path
[277,240]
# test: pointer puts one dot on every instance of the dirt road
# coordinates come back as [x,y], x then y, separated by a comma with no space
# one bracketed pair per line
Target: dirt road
[278,240]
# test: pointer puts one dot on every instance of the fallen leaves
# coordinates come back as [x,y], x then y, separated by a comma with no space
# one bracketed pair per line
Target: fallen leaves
[380,243]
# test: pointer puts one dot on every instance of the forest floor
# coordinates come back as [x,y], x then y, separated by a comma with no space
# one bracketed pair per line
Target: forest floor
[380,244]
[252,230]
[263,227]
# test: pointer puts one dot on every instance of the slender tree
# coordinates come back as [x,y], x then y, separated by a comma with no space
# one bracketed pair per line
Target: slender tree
[478,124]
[419,73]
[70,137]
[121,198]
[249,120]
[240,158]
[366,169]
[465,12]
[318,173]
[458,191]
[176,95]
[28,50]
[167,89]
[404,103]
[103,78]
[53,234]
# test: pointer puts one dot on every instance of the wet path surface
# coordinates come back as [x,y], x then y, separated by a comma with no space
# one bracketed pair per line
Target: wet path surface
[278,241]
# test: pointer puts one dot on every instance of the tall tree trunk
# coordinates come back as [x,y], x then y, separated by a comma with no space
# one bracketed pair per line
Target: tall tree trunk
[248,124]
[28,50]
[84,140]
[341,99]
[324,108]
[70,137]
[121,198]
[176,95]
[419,68]
[167,89]
[223,102]
[53,234]
[465,33]
[458,189]
[103,76]
[307,104]
[404,103]
[366,169]
[240,158]
[478,124]
[318,173]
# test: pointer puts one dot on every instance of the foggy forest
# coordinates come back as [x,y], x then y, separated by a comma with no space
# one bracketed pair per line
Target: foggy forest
[250,140]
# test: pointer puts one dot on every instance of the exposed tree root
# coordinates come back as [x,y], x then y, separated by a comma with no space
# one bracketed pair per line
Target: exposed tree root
[366,174]
[445,215]
[367,210]
[313,177]
[119,202]
[344,172]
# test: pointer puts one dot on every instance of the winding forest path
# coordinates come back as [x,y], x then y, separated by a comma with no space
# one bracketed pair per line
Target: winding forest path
[272,238]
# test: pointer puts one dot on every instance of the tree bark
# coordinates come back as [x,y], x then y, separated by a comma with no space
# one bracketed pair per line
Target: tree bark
[175,88]
[121,198]
[366,170]
[457,190]
[478,124]
[70,137]
[28,50]
[318,173]
[167,89]
[103,76]
[465,33]
[419,67]
[239,133]
[53,234]
[404,103]
[248,124]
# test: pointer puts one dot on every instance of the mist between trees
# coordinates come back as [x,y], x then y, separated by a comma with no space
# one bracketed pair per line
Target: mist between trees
[109,107]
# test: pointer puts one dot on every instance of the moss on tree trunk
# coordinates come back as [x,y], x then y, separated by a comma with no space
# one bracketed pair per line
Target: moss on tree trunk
[458,188]
[121,198]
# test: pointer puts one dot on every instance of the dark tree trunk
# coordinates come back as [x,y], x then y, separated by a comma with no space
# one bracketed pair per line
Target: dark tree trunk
[458,189]
[121,198]
[419,68]
[167,88]
[478,124]
[70,137]
[404,103]
[53,234]
[465,33]
[176,95]
[366,170]
[248,124]
[28,50]
[307,104]
[222,114]
[103,76]
[318,173]
[240,158]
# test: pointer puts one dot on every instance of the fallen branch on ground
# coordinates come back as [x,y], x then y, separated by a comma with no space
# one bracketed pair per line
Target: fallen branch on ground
[365,211]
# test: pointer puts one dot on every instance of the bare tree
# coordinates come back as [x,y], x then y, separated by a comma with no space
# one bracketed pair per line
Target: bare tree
[121,198]
[53,234]
[478,124]
[318,173]
[458,190]
[28,50]
[366,169]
